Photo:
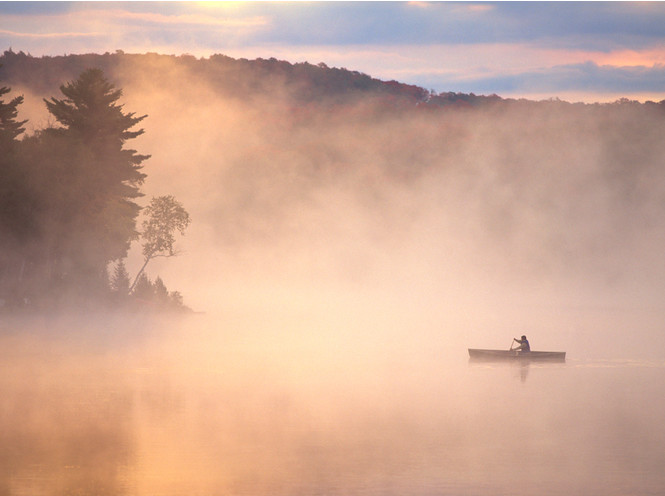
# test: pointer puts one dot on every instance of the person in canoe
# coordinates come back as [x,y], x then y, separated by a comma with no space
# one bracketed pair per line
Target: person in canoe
[523,344]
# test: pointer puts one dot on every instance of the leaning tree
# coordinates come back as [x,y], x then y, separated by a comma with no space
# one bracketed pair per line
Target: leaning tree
[165,216]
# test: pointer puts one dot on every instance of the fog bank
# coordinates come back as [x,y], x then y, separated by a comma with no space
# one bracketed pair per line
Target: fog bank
[489,221]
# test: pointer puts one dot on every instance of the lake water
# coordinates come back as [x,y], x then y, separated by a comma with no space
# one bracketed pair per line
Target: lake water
[217,407]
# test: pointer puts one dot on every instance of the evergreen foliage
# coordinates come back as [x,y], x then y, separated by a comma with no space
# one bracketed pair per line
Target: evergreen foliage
[16,200]
[10,128]
[89,217]
[143,289]
[161,294]
[120,279]
[67,198]
[154,295]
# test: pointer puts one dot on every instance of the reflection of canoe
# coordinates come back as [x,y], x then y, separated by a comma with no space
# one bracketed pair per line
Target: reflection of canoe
[500,355]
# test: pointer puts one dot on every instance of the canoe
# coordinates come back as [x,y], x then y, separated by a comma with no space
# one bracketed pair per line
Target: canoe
[500,355]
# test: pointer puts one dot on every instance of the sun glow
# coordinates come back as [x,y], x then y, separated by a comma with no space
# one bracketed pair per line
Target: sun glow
[192,19]
[627,58]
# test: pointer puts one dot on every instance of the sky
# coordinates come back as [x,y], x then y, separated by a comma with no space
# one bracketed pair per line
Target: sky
[576,51]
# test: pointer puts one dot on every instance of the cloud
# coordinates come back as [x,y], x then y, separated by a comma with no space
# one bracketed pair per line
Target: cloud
[5,32]
[480,47]
[586,77]
[597,25]
[185,20]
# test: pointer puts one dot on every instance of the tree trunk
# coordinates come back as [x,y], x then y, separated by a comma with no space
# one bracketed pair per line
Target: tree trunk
[138,275]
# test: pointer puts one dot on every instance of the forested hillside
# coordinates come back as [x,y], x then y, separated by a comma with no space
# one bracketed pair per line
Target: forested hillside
[319,172]
[239,78]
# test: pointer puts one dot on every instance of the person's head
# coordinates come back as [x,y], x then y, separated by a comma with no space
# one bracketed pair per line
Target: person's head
[523,338]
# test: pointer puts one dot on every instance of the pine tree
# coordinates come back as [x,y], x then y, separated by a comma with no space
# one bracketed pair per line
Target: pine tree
[144,290]
[16,220]
[120,279]
[95,179]
[176,299]
[10,128]
[161,293]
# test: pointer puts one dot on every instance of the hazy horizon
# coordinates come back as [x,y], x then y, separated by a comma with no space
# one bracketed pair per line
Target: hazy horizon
[500,223]
[342,263]
[576,51]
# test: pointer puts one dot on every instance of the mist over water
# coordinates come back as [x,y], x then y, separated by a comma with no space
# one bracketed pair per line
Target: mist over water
[345,258]
[284,403]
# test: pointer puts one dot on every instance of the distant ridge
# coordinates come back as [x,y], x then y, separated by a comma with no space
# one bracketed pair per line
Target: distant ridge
[242,78]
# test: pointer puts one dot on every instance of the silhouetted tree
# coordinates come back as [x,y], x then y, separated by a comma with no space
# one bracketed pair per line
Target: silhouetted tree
[15,200]
[10,128]
[165,216]
[93,179]
[156,296]
[161,294]
[143,288]
[120,279]
[176,299]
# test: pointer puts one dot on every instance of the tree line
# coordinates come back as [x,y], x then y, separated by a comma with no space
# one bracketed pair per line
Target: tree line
[68,204]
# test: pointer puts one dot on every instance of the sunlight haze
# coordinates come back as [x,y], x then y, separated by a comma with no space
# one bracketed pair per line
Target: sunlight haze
[290,248]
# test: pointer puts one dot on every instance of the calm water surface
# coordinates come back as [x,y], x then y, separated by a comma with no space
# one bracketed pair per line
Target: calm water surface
[211,409]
